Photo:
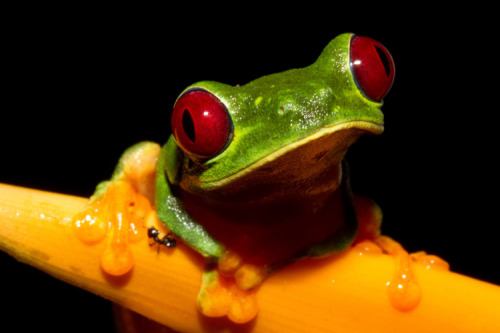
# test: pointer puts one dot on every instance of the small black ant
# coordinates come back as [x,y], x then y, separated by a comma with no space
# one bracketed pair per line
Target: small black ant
[167,240]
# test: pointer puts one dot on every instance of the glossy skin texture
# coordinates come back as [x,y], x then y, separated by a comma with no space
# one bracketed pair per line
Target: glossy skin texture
[311,115]
[253,177]
[292,105]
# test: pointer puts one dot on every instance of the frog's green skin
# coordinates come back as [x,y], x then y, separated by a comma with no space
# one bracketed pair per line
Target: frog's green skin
[292,130]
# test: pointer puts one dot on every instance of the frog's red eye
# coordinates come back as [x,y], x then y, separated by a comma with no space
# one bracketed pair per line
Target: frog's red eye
[372,67]
[201,124]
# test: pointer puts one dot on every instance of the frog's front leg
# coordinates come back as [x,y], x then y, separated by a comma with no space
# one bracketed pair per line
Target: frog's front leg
[229,288]
[119,208]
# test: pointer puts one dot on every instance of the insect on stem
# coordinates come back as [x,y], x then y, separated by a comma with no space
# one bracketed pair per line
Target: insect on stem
[166,240]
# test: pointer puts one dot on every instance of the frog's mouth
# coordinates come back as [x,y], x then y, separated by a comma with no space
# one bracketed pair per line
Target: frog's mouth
[314,159]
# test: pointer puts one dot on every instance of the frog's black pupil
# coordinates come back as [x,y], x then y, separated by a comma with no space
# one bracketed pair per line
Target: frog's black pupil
[384,59]
[188,125]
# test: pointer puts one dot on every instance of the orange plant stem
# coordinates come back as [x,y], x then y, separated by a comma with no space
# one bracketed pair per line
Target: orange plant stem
[347,293]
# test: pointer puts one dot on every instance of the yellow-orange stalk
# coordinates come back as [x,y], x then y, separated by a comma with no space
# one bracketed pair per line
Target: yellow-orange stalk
[347,293]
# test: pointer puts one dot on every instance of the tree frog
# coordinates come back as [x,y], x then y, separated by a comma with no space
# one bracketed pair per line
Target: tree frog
[253,177]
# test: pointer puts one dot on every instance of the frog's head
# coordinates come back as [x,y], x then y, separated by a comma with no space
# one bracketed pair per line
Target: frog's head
[288,128]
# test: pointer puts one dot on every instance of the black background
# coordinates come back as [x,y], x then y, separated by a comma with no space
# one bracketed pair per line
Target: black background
[80,85]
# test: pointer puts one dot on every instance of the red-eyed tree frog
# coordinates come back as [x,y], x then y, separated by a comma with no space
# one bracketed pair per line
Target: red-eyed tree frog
[253,177]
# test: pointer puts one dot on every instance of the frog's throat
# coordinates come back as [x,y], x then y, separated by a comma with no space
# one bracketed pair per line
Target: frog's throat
[369,127]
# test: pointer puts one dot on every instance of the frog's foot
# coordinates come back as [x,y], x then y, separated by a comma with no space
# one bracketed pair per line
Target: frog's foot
[230,290]
[118,210]
[246,276]
[430,260]
[403,289]
[117,216]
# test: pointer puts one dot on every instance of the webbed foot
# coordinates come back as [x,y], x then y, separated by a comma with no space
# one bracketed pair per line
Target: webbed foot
[119,208]
[117,216]
[230,289]
[403,289]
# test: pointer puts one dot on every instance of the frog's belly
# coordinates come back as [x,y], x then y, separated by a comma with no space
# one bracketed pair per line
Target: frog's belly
[271,233]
